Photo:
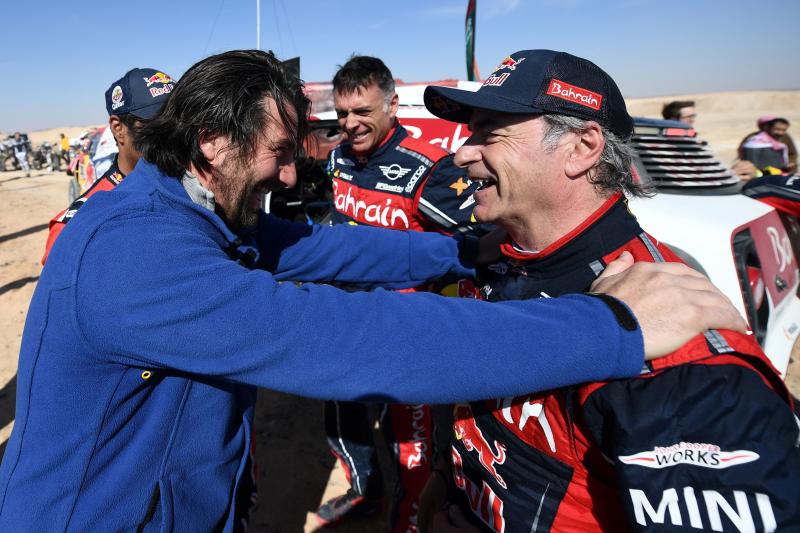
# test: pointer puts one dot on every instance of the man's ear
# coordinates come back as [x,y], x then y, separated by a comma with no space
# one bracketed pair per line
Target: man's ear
[393,105]
[214,148]
[118,129]
[586,150]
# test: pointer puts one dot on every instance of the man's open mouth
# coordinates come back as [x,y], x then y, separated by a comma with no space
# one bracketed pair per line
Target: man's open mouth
[485,183]
[358,136]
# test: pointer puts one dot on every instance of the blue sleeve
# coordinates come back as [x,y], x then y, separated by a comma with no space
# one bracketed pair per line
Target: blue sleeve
[700,447]
[357,255]
[186,306]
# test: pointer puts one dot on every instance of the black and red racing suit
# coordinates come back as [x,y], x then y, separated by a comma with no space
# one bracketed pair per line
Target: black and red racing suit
[404,184]
[704,439]
[112,177]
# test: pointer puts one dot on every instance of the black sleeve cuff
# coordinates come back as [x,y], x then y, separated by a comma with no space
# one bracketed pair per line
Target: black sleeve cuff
[468,249]
[621,312]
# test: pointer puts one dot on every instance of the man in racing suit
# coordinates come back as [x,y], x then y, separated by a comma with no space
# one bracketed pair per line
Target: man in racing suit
[382,176]
[704,438]
[131,100]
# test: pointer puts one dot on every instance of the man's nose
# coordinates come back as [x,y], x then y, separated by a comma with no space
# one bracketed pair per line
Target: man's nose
[288,175]
[467,154]
[350,122]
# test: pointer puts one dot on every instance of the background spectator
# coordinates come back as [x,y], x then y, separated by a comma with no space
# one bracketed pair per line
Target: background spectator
[680,110]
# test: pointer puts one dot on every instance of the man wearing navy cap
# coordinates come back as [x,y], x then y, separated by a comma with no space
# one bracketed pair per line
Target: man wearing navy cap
[702,438]
[131,100]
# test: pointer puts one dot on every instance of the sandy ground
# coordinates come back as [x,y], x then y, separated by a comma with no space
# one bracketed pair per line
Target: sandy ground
[296,470]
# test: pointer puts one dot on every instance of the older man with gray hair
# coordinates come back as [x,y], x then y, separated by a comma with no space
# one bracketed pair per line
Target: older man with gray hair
[702,438]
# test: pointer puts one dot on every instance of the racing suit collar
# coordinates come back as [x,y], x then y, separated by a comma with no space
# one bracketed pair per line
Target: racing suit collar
[609,227]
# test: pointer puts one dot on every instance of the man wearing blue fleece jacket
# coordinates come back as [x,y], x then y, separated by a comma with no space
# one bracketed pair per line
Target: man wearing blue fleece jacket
[160,310]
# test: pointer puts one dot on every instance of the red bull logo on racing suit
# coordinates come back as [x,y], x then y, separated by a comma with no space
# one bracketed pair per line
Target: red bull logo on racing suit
[466,430]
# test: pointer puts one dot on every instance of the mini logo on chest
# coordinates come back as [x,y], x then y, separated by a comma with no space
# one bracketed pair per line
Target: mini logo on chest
[393,171]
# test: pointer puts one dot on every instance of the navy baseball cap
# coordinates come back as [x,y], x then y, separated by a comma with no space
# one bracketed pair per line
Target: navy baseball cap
[539,81]
[140,92]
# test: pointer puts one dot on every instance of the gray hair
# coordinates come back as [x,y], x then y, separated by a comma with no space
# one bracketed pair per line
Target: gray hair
[612,172]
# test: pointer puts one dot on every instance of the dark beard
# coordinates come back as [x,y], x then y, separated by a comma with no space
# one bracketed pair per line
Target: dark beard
[233,186]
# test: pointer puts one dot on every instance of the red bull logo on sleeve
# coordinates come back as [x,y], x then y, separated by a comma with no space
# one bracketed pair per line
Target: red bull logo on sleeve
[467,431]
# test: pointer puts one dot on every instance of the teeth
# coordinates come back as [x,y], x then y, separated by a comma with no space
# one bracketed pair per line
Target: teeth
[485,184]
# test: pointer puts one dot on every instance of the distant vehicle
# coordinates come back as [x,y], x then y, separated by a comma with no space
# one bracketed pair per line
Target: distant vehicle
[93,155]
[744,246]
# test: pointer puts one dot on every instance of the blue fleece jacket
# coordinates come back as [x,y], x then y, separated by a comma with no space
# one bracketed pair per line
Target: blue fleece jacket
[147,337]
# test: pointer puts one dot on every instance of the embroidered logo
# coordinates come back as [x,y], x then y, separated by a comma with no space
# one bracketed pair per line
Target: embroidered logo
[690,453]
[577,95]
[394,171]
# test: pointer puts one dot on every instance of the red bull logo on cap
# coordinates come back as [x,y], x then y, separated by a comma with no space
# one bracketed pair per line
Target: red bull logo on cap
[158,77]
[510,63]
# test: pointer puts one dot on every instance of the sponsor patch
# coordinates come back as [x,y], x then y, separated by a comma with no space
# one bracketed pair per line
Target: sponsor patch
[380,186]
[158,77]
[692,454]
[342,175]
[117,97]
[344,161]
[575,94]
[415,178]
[499,268]
[510,63]
[372,207]
[460,186]
[394,171]
[495,80]
[158,91]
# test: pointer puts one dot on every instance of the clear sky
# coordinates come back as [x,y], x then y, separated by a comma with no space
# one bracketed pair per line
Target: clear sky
[59,57]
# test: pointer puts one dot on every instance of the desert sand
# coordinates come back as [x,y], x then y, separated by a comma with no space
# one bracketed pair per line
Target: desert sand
[296,470]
